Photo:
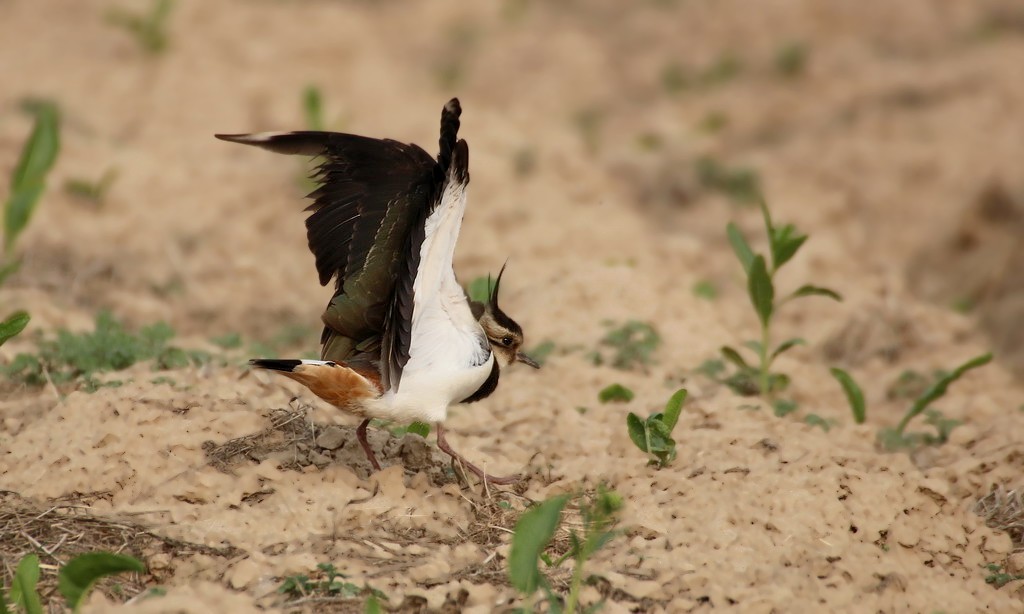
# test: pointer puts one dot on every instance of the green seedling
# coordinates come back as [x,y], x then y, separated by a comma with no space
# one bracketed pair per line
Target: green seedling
[897,438]
[110,347]
[480,289]
[74,580]
[313,107]
[615,393]
[326,583]
[999,577]
[724,69]
[541,352]
[400,430]
[714,122]
[654,435]
[533,534]
[227,341]
[589,123]
[816,420]
[94,191]
[784,243]
[894,439]
[741,185]
[149,30]
[854,395]
[783,407]
[791,59]
[706,290]
[632,345]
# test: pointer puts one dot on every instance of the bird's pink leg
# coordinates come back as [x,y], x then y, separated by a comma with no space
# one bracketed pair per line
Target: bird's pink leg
[480,473]
[361,435]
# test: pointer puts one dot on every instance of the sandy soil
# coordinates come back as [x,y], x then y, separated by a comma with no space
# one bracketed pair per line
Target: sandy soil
[887,150]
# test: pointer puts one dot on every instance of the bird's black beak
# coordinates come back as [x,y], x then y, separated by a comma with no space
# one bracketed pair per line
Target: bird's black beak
[526,360]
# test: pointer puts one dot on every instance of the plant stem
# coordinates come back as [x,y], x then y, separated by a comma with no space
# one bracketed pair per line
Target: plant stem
[765,362]
[574,588]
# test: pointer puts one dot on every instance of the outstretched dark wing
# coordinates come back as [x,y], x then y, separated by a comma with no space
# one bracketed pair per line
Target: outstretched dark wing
[372,195]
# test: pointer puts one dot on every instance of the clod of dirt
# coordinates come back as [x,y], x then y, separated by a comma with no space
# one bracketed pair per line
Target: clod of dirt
[331,438]
[977,266]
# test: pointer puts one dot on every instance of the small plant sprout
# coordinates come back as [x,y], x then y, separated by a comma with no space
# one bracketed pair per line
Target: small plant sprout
[150,30]
[534,532]
[654,435]
[783,243]
[313,108]
[854,395]
[632,344]
[897,438]
[93,191]
[616,393]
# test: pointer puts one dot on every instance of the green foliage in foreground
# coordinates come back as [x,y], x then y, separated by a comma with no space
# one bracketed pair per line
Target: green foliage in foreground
[784,243]
[654,435]
[27,184]
[74,580]
[534,532]
[109,347]
[897,438]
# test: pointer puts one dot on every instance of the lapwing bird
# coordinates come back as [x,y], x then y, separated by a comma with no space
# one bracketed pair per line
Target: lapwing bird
[401,340]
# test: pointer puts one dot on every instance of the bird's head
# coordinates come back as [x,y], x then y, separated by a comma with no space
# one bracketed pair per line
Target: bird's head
[504,333]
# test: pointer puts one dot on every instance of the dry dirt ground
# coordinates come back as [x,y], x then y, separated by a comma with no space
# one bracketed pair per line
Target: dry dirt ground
[898,147]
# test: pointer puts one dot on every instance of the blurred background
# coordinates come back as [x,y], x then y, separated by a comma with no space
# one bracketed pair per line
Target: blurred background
[892,132]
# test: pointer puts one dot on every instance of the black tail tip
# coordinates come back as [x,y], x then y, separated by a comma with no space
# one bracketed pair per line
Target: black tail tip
[275,364]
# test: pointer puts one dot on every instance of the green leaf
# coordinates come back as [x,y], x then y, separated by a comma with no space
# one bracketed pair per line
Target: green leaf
[6,270]
[23,587]
[938,389]
[372,605]
[816,420]
[637,431]
[762,293]
[787,344]
[13,325]
[533,531]
[3,604]
[29,178]
[784,246]
[734,357]
[783,407]
[673,408]
[615,392]
[810,290]
[661,437]
[753,345]
[740,246]
[420,428]
[768,226]
[854,394]
[479,289]
[312,104]
[77,577]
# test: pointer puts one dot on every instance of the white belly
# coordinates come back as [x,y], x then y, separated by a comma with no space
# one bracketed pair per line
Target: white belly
[425,395]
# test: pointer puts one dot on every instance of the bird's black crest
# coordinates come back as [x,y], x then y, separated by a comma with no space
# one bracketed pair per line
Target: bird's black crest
[449,133]
[499,316]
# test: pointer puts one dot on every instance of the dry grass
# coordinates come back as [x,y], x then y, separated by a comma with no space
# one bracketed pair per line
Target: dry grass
[1003,510]
[61,529]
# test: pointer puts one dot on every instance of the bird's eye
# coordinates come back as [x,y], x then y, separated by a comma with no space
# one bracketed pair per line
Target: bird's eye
[506,340]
